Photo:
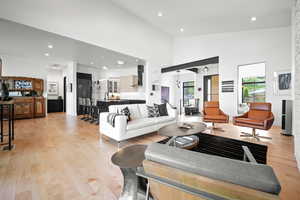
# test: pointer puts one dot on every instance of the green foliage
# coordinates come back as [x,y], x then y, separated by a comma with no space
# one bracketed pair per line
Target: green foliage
[245,92]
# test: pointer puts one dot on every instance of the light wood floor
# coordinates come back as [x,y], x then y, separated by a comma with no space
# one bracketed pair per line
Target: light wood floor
[60,157]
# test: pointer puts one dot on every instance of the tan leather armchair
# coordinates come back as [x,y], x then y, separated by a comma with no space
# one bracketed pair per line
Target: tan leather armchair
[259,116]
[212,113]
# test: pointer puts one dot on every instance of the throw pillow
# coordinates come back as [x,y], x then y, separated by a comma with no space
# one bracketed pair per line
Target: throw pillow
[125,111]
[162,109]
[152,111]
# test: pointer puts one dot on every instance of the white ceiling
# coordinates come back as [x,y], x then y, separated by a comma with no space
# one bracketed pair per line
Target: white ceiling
[210,16]
[26,42]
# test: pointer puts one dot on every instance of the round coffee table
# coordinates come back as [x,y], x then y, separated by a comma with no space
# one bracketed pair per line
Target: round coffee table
[173,131]
[128,159]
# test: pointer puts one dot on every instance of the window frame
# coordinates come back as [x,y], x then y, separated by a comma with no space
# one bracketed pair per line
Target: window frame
[253,83]
[188,86]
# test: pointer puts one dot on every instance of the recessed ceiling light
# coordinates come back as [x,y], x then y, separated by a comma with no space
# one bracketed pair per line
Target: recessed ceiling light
[47,54]
[181,29]
[159,14]
[50,46]
[104,67]
[120,62]
[92,63]
[253,19]
[137,60]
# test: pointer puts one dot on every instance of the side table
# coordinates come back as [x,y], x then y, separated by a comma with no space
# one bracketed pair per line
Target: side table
[129,159]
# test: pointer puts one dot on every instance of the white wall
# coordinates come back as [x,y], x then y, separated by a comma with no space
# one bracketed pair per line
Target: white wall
[99,22]
[272,46]
[296,70]
[54,75]
[70,72]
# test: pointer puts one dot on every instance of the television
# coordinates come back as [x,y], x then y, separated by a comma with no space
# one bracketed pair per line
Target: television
[23,84]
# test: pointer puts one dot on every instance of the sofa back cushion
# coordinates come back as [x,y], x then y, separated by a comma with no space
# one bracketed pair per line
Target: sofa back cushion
[133,108]
[143,110]
[259,111]
[211,108]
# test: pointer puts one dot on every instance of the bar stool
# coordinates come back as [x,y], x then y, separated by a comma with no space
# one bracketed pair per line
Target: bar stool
[88,109]
[81,102]
[95,112]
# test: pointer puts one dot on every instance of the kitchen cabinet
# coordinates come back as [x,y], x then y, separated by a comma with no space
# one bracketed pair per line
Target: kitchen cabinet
[38,85]
[129,83]
[24,107]
[55,105]
[29,107]
[113,86]
[39,107]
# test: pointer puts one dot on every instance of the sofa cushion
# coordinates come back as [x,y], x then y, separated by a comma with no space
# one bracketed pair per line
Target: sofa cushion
[143,110]
[133,108]
[162,109]
[250,121]
[255,176]
[215,117]
[212,111]
[152,111]
[125,111]
[140,123]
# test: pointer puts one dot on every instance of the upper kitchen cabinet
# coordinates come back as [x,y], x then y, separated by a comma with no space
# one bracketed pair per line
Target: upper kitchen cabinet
[38,85]
[129,83]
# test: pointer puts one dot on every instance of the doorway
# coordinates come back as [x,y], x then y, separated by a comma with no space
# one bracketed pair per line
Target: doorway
[84,89]
[211,88]
[65,93]
[165,94]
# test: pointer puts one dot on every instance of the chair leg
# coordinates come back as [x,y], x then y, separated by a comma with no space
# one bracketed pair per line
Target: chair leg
[254,135]
[216,128]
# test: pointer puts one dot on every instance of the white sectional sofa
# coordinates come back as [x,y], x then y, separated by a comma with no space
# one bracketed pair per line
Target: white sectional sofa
[140,123]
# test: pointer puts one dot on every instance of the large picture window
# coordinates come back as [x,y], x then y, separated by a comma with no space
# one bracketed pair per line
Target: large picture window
[251,85]
[253,89]
[188,92]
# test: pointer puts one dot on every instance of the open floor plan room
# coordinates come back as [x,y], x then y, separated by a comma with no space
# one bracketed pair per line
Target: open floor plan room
[149,100]
[62,157]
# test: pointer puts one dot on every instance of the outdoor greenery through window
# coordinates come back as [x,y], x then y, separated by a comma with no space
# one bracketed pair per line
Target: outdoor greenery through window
[188,92]
[253,89]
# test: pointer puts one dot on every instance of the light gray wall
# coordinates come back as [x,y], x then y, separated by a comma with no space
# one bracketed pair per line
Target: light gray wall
[296,70]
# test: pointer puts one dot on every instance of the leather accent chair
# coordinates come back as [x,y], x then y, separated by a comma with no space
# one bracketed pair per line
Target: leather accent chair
[259,116]
[212,113]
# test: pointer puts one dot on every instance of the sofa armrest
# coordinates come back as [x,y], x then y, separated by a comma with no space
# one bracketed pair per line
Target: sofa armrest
[115,132]
[172,111]
[224,114]
[269,122]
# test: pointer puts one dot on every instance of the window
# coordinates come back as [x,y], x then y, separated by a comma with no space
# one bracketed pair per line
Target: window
[253,89]
[251,85]
[188,92]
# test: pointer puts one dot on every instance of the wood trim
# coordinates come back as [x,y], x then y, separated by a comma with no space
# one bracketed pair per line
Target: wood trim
[216,187]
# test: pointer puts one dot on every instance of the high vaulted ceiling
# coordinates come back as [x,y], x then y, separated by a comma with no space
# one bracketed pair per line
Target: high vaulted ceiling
[210,16]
